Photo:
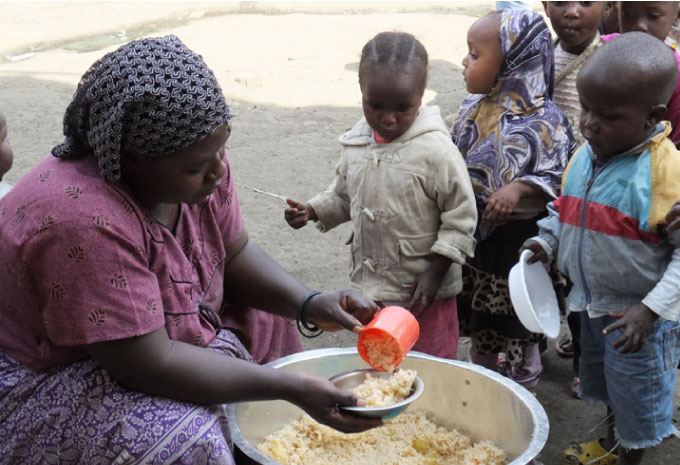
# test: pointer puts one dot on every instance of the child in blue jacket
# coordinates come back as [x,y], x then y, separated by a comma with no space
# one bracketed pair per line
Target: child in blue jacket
[605,231]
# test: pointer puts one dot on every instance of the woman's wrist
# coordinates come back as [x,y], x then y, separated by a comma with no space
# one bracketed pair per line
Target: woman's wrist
[304,326]
[290,386]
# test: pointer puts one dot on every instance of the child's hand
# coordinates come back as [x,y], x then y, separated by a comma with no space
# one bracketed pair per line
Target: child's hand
[673,218]
[501,204]
[424,290]
[539,254]
[636,321]
[299,214]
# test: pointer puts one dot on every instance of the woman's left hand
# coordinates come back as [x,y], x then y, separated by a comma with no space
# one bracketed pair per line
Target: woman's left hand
[344,309]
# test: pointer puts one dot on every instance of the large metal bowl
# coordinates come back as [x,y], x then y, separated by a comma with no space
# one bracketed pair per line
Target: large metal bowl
[477,402]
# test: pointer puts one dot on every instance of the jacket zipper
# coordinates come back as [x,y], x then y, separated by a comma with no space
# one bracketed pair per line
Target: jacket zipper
[580,243]
[582,231]
[596,172]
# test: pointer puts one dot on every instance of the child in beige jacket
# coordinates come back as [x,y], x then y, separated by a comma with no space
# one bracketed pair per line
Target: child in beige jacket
[404,186]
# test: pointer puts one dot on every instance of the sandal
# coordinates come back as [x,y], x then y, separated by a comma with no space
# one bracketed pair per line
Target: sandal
[588,453]
[565,347]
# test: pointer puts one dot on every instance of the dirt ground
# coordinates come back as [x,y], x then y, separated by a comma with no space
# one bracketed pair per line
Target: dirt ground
[289,72]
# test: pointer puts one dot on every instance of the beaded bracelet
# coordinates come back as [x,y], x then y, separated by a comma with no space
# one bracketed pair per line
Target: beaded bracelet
[304,327]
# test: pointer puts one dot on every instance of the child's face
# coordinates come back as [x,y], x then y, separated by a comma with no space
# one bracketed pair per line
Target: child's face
[611,121]
[484,59]
[391,99]
[575,23]
[6,154]
[655,18]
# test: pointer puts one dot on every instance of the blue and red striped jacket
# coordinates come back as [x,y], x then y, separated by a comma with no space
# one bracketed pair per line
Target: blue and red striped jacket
[606,226]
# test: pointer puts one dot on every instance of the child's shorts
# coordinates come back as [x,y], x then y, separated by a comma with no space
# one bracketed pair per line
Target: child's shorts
[637,386]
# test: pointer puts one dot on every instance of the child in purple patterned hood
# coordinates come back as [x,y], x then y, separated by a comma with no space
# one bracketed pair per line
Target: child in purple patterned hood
[516,143]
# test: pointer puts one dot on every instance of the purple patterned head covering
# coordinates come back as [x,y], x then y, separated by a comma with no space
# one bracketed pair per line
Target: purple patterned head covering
[152,96]
[516,132]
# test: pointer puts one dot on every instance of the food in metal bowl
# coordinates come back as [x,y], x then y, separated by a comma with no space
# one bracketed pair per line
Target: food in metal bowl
[409,439]
[380,392]
[387,394]
[481,404]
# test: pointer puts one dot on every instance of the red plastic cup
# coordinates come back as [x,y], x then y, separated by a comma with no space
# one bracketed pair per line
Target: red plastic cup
[386,340]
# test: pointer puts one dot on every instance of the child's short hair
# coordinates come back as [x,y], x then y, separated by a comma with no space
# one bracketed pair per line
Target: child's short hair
[645,65]
[399,49]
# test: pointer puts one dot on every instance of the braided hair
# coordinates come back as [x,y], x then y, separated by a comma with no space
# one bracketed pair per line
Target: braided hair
[400,50]
[151,96]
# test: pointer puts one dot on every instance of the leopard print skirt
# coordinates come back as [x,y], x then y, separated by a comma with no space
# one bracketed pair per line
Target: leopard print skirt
[484,306]
[485,310]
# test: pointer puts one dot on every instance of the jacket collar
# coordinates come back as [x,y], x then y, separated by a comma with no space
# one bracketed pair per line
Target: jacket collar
[429,119]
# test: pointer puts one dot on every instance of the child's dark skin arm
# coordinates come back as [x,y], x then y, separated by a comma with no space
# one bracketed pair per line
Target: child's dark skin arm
[298,214]
[539,254]
[673,218]
[424,290]
[501,204]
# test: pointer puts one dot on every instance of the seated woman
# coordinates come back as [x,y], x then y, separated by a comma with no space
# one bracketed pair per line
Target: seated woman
[120,255]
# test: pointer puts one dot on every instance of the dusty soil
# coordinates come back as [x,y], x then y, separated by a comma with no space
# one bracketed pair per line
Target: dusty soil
[289,71]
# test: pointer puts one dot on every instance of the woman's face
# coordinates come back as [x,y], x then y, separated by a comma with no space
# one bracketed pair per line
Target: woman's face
[187,176]
[484,59]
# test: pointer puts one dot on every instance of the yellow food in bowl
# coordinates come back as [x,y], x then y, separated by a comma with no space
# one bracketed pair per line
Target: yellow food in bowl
[380,392]
[409,439]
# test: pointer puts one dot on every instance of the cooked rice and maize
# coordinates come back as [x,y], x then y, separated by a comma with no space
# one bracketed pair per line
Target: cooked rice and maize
[408,439]
[380,392]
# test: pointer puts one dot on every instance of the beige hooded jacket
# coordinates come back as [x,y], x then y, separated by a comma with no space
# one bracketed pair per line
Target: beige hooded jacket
[407,200]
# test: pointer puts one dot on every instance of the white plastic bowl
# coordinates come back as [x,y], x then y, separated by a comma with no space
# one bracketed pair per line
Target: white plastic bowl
[533,297]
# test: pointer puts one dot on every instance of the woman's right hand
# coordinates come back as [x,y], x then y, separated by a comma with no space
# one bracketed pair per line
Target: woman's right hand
[320,399]
[298,214]
[189,373]
[345,308]
[539,254]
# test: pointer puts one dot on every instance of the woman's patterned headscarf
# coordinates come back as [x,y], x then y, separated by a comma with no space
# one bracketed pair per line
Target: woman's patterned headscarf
[152,96]
[516,133]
